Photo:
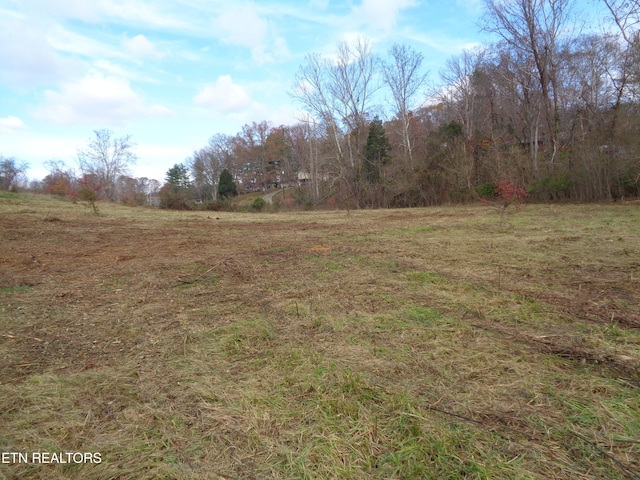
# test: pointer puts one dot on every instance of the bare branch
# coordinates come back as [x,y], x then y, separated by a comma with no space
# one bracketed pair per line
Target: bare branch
[107,158]
[403,77]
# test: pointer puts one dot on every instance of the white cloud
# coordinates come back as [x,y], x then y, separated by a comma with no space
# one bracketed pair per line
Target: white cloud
[26,56]
[475,7]
[281,49]
[36,147]
[282,115]
[64,40]
[140,46]
[231,103]
[117,70]
[154,159]
[139,12]
[382,13]
[242,27]
[223,97]
[97,99]
[245,28]
[75,9]
[11,124]
[318,4]
[159,15]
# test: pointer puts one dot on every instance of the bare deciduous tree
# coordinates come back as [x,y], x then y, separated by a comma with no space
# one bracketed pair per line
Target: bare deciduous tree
[312,90]
[10,172]
[338,94]
[207,164]
[405,80]
[106,158]
[463,98]
[535,27]
[352,87]
[626,15]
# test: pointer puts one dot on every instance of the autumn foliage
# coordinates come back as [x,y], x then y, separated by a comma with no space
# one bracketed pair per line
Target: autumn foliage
[506,194]
[89,188]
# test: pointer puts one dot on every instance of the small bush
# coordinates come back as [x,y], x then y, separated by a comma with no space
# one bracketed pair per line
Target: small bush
[463,195]
[626,185]
[258,204]
[172,199]
[217,205]
[552,187]
[89,188]
[506,194]
[487,190]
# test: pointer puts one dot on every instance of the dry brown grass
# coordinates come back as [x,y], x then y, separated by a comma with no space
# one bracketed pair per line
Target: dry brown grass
[422,343]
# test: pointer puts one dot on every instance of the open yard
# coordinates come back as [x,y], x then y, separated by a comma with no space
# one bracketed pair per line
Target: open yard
[418,343]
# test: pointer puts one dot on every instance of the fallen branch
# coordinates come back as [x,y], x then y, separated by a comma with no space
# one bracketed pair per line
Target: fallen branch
[628,472]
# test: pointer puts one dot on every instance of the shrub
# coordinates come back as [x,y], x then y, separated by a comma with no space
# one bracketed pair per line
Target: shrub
[61,187]
[625,185]
[552,187]
[506,194]
[217,205]
[89,188]
[463,195]
[172,199]
[487,190]
[258,204]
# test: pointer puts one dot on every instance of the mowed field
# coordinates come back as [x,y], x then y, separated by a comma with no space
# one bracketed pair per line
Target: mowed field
[408,344]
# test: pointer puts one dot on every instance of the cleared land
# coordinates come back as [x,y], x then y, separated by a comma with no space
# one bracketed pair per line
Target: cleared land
[422,343]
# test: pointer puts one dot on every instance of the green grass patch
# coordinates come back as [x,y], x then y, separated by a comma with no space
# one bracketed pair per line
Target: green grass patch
[424,278]
[22,288]
[426,315]
[4,195]
[420,229]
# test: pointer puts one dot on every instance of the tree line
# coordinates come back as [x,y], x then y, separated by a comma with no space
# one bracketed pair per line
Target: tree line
[546,107]
[102,173]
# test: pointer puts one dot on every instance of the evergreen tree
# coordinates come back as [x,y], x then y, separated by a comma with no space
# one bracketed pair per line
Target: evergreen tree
[178,177]
[175,192]
[226,186]
[376,152]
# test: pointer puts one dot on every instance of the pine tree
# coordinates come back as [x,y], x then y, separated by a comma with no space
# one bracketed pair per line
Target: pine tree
[178,177]
[376,152]
[226,186]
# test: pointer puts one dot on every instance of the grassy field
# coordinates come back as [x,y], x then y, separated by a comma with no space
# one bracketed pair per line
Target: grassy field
[388,344]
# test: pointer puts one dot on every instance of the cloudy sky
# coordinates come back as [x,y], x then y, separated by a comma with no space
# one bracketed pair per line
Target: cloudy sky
[171,73]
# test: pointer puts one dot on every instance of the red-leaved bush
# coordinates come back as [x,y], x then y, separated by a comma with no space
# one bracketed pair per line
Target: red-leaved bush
[89,188]
[506,194]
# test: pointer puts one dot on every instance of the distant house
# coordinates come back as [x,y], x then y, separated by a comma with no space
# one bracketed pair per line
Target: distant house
[303,177]
[306,177]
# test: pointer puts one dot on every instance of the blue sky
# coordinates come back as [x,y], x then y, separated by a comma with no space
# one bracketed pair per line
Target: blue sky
[171,73]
